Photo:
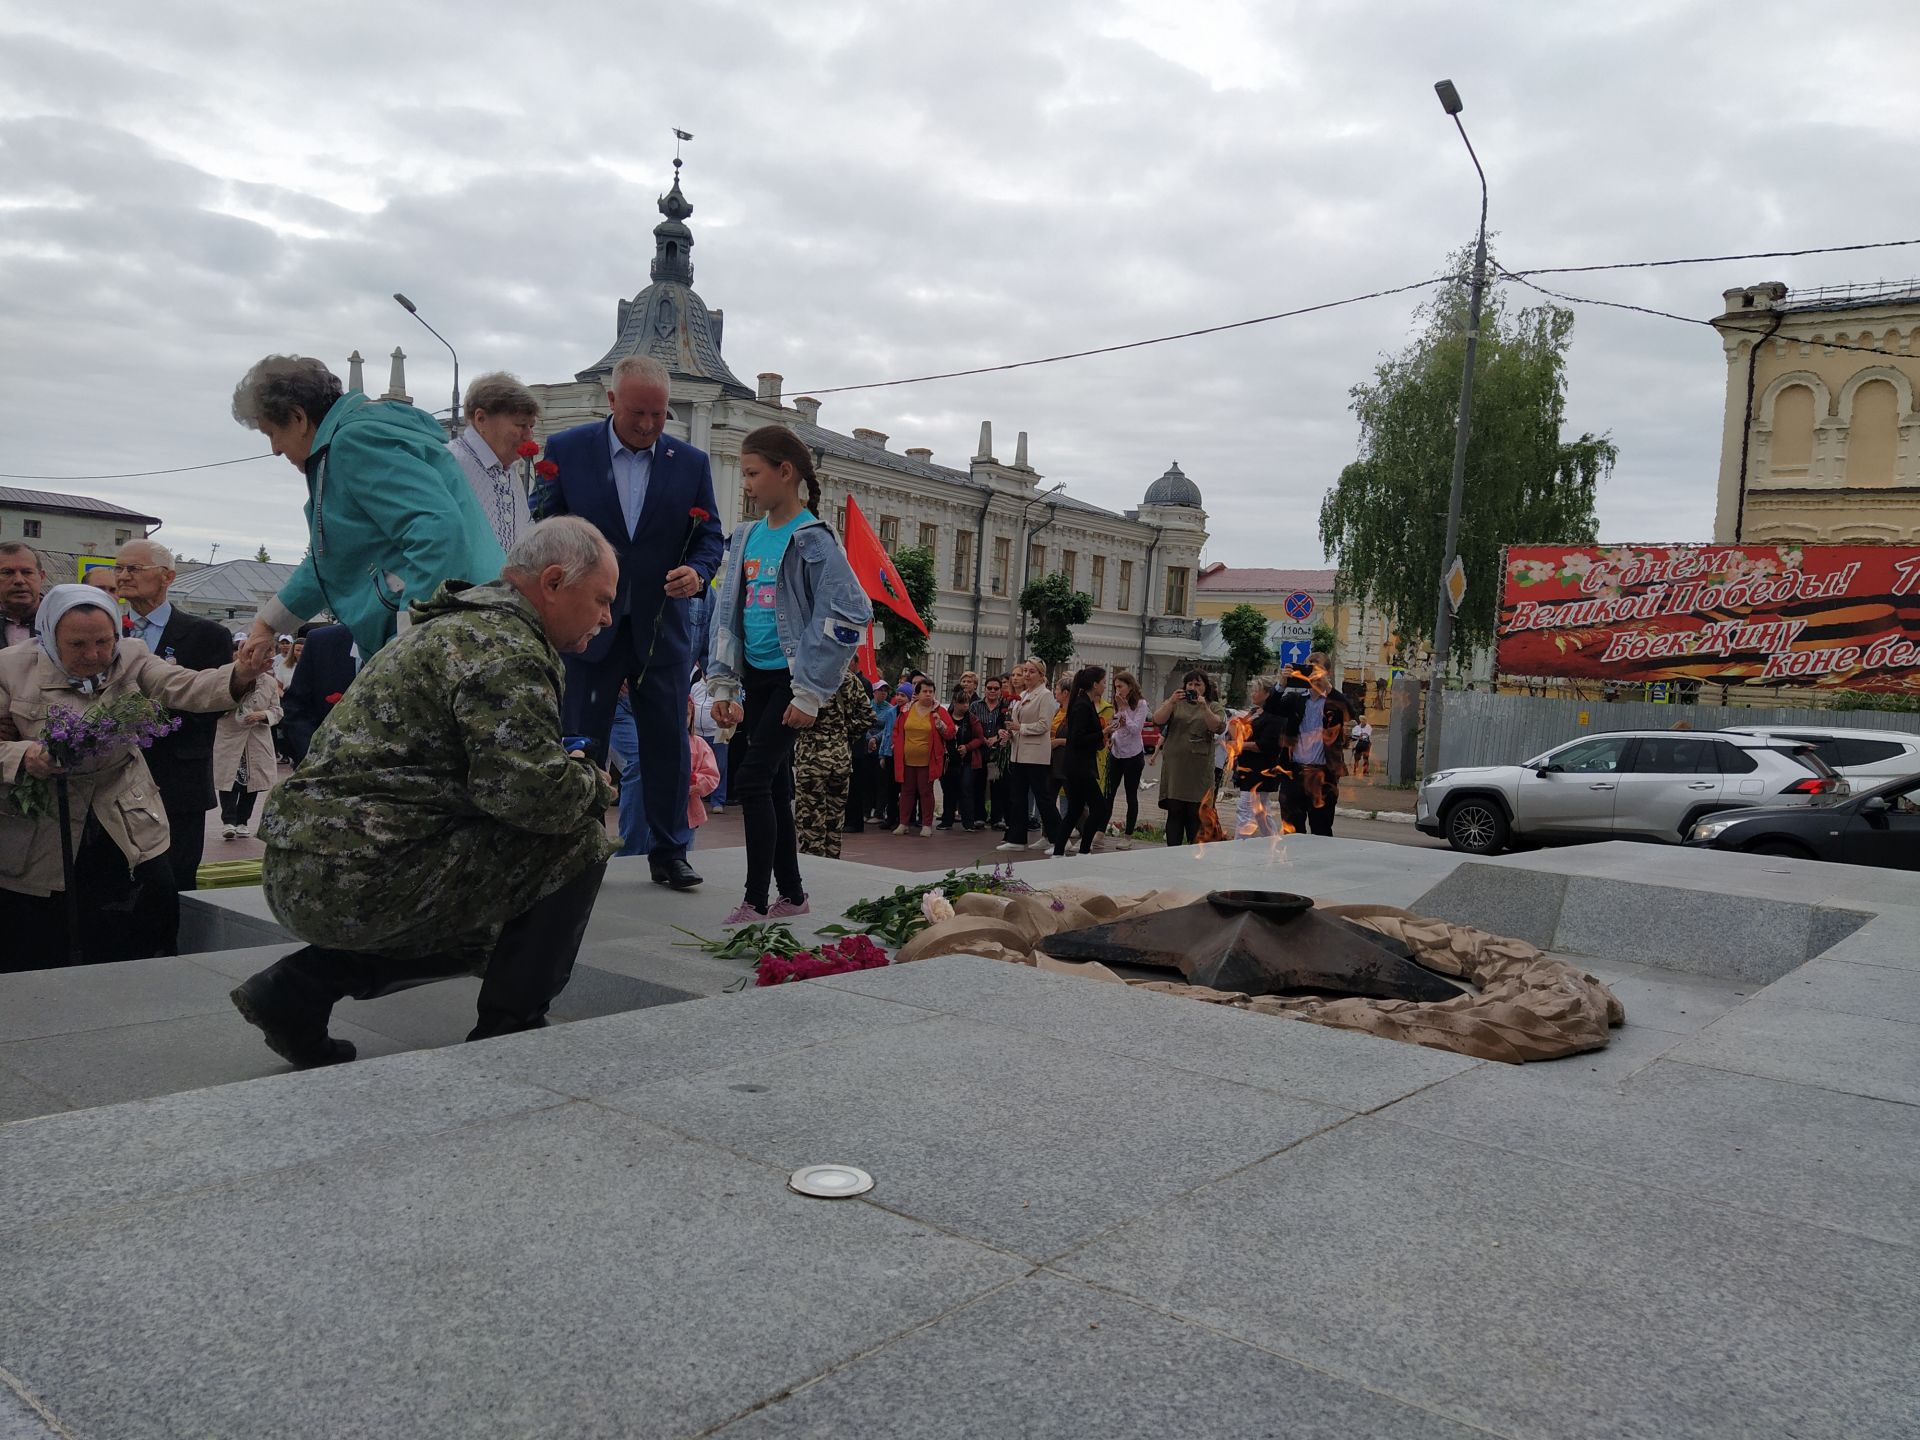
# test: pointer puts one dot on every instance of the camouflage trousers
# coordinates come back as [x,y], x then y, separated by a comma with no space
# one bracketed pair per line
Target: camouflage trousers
[821,776]
[450,896]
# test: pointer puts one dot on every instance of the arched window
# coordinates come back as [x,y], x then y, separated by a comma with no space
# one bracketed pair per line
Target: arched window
[1872,438]
[1792,452]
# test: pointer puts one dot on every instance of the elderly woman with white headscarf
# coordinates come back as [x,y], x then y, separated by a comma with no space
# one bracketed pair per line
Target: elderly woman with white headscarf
[118,826]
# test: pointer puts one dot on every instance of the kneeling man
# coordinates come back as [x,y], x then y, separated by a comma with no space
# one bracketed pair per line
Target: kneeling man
[438,826]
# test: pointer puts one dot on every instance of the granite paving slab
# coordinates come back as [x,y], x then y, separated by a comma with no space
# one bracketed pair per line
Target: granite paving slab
[1734,937]
[59,1002]
[1534,1297]
[1879,991]
[60,1166]
[1891,938]
[602,1057]
[568,1273]
[1331,1067]
[1666,999]
[160,1057]
[1798,1151]
[1781,1041]
[1049,1357]
[1013,1138]
[21,1097]
[20,1421]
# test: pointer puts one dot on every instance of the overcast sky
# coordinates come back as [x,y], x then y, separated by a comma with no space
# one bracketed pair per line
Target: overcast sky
[890,188]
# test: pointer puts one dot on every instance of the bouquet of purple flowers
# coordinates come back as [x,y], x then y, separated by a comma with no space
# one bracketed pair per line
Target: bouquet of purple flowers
[132,721]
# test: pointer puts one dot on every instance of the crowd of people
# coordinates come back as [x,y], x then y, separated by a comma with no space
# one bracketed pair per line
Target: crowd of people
[471,641]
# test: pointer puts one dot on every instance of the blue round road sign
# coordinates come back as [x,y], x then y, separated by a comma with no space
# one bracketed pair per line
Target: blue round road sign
[1299,605]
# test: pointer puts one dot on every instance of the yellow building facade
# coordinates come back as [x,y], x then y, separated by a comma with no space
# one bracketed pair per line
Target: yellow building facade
[1821,440]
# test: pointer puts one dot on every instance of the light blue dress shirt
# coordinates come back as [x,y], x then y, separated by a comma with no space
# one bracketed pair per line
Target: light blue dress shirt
[148,627]
[631,472]
[1310,748]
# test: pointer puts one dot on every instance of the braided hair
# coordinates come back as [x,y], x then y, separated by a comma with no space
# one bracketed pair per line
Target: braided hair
[777,445]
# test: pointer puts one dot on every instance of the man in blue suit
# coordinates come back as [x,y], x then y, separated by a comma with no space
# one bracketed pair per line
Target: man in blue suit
[652,497]
[328,662]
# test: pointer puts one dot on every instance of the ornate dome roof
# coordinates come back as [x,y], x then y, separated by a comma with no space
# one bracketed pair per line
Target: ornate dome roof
[1174,488]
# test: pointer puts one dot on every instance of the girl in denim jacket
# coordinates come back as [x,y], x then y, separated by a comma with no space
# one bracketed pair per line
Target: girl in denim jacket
[785,624]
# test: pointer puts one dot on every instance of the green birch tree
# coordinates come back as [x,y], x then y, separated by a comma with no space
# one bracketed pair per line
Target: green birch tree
[1384,520]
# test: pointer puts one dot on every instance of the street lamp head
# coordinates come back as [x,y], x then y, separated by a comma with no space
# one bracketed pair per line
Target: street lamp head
[405,304]
[1449,97]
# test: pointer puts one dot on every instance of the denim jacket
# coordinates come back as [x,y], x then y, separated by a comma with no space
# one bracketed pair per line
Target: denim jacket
[820,612]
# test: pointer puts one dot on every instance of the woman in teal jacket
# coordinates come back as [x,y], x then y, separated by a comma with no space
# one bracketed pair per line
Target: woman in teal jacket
[390,516]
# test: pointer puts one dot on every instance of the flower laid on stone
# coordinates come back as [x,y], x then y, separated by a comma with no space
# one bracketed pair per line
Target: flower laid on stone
[936,907]
[895,919]
[73,737]
[838,957]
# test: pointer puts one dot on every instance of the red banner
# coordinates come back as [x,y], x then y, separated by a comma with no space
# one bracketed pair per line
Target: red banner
[1838,617]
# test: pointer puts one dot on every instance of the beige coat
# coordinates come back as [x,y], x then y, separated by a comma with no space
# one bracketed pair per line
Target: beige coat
[117,789]
[1031,720]
[232,741]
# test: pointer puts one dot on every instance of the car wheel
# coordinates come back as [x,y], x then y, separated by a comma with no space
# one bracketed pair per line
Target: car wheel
[1781,847]
[1477,827]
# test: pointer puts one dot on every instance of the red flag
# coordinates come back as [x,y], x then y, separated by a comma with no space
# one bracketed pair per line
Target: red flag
[874,568]
[867,661]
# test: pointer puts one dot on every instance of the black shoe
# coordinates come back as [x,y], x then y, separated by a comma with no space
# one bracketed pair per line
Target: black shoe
[944,825]
[853,829]
[677,873]
[290,1032]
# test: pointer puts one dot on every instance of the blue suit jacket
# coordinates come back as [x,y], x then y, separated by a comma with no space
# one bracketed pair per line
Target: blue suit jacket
[681,480]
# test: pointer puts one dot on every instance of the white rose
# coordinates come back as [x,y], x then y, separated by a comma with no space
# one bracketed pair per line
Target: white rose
[936,907]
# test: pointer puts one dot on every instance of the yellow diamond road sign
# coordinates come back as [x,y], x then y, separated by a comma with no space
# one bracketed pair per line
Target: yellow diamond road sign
[1456,584]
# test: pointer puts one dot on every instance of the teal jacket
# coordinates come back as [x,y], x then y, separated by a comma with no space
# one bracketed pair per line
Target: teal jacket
[390,518]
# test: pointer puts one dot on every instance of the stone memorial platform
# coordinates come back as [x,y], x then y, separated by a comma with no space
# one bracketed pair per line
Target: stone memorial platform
[1097,1211]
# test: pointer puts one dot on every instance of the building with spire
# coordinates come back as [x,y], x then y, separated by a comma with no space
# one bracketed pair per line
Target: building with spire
[991,524]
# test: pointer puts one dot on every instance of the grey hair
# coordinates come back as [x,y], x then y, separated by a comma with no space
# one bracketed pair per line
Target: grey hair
[17,547]
[280,384]
[575,545]
[158,553]
[640,367]
[499,393]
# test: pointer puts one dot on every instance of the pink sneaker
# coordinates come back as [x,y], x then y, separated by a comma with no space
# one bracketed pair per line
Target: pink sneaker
[745,914]
[785,909]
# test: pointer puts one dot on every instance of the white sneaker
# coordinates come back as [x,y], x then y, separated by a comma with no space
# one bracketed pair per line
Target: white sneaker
[901,830]
[244,832]
[926,832]
[1041,845]
[227,832]
[1009,845]
[1124,842]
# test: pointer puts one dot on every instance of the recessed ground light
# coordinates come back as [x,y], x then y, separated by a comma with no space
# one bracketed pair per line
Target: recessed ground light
[830,1182]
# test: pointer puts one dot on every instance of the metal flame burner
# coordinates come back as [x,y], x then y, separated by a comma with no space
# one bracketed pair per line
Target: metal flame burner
[1259,942]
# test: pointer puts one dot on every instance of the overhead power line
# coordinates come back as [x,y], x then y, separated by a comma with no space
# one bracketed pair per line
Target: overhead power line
[1517,276]
[1520,277]
[1128,345]
[1711,259]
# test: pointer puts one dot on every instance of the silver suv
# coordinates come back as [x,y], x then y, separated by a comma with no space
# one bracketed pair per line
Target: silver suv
[1628,785]
[1865,757]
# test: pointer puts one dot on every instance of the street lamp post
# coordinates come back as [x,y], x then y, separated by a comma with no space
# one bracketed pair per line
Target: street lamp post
[1443,620]
[453,415]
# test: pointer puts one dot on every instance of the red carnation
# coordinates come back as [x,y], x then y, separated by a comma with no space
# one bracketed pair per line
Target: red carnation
[698,514]
[335,697]
[528,449]
[546,469]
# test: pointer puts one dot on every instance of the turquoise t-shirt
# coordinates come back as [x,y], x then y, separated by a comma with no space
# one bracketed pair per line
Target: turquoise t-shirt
[760,573]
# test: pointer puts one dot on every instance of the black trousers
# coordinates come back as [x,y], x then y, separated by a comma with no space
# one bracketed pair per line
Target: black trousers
[763,786]
[123,916]
[186,793]
[1296,802]
[859,783]
[1031,783]
[1086,808]
[236,806]
[1125,772]
[1183,821]
[529,966]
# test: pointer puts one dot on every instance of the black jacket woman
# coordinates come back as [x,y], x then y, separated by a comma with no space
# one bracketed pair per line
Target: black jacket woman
[1084,734]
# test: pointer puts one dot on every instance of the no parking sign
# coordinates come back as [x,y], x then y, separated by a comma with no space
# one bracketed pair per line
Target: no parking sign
[1299,606]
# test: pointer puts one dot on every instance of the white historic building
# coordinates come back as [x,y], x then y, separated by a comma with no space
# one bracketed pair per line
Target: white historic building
[991,524]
